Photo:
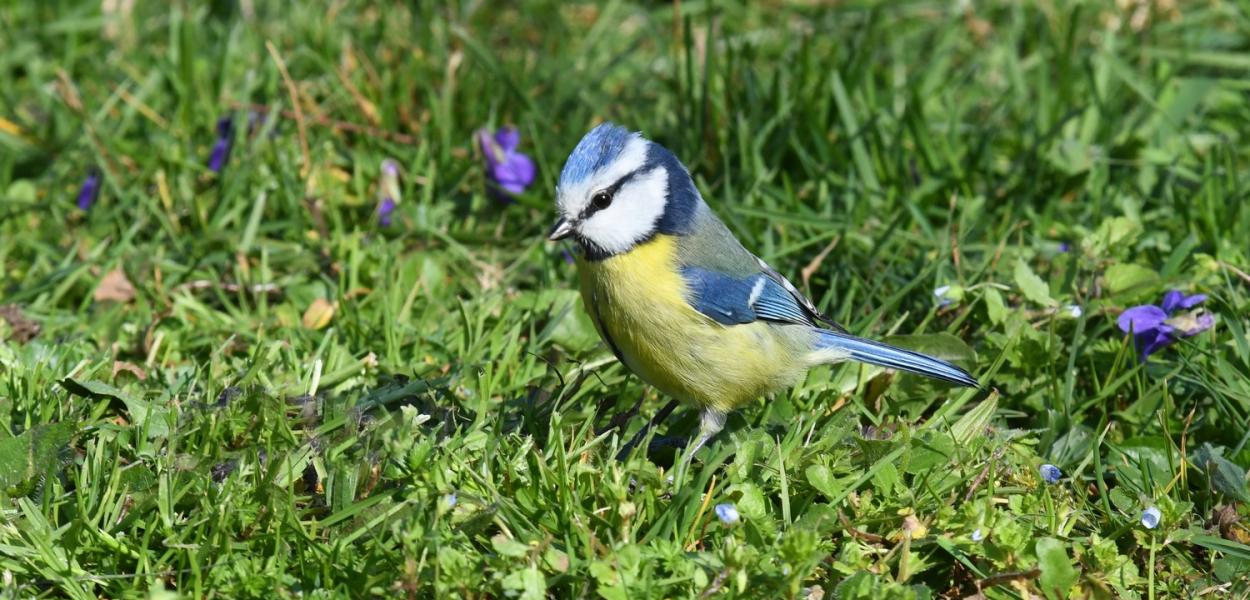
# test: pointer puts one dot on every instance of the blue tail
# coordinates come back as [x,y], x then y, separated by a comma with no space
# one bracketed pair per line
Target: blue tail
[884,355]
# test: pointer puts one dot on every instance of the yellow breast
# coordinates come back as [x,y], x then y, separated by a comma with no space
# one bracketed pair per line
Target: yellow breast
[638,302]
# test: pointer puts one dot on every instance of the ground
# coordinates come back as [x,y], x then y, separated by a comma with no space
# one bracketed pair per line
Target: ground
[226,374]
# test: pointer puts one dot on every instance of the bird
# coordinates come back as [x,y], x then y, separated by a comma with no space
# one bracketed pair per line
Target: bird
[679,300]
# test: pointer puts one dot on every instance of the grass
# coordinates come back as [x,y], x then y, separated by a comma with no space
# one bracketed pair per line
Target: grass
[238,384]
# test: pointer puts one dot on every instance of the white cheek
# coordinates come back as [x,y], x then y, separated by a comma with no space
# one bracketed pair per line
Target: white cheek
[573,201]
[633,215]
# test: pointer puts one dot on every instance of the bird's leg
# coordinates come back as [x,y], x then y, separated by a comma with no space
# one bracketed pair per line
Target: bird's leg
[619,419]
[711,421]
[656,420]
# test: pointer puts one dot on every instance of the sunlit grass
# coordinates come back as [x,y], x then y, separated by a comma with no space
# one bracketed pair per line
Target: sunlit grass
[239,383]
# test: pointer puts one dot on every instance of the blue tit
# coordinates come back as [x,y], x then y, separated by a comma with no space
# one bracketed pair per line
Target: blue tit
[679,300]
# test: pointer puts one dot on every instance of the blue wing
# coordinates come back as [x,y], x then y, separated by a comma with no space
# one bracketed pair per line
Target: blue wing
[730,300]
[767,296]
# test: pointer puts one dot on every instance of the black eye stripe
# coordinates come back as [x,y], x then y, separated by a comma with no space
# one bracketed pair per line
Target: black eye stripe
[611,190]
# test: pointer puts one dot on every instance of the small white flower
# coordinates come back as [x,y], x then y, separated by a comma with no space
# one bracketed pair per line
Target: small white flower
[1074,311]
[940,293]
[1150,518]
[727,513]
[450,500]
[977,535]
[412,416]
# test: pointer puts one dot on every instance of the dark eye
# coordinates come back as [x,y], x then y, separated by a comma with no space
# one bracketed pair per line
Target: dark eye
[601,200]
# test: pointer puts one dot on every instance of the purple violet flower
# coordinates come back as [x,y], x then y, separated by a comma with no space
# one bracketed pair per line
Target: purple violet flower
[508,171]
[90,189]
[1065,246]
[385,208]
[388,192]
[221,148]
[1050,473]
[1155,327]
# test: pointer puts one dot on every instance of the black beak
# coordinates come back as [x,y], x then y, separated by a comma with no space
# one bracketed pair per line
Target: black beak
[562,229]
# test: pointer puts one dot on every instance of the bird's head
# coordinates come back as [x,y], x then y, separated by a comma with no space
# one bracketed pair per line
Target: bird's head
[618,190]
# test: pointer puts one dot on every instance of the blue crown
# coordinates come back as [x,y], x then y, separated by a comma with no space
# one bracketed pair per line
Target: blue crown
[596,150]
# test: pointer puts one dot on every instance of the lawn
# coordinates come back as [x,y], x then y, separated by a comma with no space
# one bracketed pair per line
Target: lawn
[227,371]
